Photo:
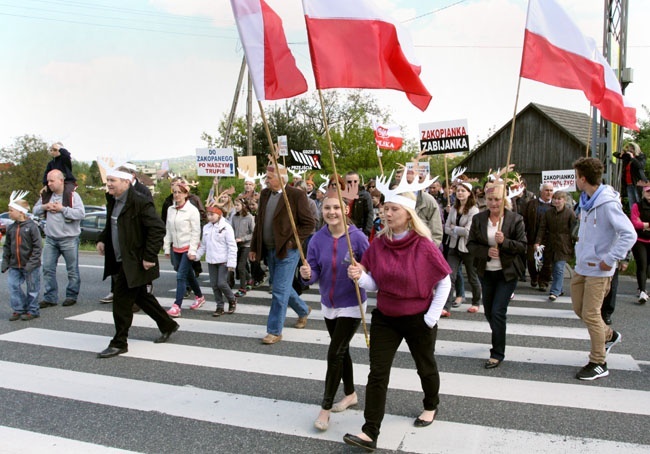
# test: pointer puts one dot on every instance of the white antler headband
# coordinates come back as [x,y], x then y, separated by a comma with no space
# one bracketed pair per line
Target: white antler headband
[457,172]
[15,197]
[382,183]
[512,194]
[113,172]
[246,175]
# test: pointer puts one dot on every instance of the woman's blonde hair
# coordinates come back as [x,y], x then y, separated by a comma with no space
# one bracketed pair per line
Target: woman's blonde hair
[636,149]
[415,223]
[499,190]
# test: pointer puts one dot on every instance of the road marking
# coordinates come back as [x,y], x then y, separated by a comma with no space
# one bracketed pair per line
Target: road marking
[480,325]
[476,386]
[286,417]
[530,355]
[24,441]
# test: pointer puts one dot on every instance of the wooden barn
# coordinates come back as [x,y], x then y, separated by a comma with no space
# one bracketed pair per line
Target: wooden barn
[545,138]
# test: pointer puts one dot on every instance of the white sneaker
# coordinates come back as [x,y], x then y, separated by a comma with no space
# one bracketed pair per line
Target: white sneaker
[643,298]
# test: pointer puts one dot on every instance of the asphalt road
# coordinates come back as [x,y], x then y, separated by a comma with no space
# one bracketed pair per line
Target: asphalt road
[215,388]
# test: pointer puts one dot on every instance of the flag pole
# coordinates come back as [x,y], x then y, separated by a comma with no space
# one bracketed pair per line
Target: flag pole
[589,132]
[284,192]
[512,136]
[447,188]
[381,167]
[345,224]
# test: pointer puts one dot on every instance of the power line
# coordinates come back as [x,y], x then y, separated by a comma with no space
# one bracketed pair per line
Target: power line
[45,10]
[433,11]
[119,26]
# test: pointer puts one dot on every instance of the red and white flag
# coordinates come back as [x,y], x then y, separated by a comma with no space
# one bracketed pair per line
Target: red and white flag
[355,45]
[557,53]
[270,62]
[388,137]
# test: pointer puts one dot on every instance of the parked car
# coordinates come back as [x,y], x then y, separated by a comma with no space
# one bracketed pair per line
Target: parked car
[92,225]
[93,208]
[6,221]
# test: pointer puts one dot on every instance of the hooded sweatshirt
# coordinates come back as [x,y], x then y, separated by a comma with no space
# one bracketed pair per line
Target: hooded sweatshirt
[329,258]
[605,233]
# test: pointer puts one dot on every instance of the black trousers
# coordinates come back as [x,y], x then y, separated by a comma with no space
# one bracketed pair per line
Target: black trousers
[123,300]
[339,362]
[609,302]
[496,297]
[543,276]
[641,252]
[386,334]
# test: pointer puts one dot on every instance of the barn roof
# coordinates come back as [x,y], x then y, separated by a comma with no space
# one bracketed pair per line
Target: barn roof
[575,124]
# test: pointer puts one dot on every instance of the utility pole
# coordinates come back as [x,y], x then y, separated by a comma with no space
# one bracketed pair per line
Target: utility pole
[607,138]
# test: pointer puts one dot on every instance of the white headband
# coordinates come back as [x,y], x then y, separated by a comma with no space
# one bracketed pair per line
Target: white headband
[113,172]
[382,184]
[15,197]
[467,185]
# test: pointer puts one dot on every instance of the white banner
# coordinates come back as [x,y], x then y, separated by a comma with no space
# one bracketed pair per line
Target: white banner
[565,179]
[444,137]
[215,162]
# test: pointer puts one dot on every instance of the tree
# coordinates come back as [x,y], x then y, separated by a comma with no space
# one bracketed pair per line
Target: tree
[27,159]
[349,116]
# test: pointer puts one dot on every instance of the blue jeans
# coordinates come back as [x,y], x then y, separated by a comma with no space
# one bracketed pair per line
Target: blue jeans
[184,276]
[281,272]
[459,283]
[21,303]
[632,195]
[53,249]
[496,297]
[558,277]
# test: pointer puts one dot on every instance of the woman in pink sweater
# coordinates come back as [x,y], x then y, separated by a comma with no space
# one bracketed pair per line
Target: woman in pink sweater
[411,278]
[641,221]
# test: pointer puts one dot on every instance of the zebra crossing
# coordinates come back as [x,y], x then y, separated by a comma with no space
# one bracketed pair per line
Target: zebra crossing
[214,387]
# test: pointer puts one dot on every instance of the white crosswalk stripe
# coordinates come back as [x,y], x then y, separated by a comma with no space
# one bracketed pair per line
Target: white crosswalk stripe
[540,335]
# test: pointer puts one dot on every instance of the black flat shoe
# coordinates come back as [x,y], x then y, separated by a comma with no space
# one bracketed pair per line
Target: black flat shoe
[112,351]
[353,440]
[165,336]
[492,363]
[422,423]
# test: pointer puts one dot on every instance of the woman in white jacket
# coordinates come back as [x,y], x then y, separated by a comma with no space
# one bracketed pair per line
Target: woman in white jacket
[457,228]
[220,249]
[182,239]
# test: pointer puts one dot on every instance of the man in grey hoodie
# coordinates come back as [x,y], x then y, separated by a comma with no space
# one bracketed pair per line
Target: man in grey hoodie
[604,237]
[62,232]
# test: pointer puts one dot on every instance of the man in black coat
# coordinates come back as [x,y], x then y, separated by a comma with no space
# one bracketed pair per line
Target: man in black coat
[130,244]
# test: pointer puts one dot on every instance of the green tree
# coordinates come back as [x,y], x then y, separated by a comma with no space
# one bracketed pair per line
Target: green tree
[349,116]
[26,159]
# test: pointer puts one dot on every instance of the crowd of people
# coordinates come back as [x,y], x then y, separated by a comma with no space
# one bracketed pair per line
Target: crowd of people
[406,238]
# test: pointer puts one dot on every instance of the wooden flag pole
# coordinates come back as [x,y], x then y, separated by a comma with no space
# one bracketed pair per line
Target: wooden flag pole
[381,167]
[345,224]
[512,136]
[284,192]
[589,133]
[447,188]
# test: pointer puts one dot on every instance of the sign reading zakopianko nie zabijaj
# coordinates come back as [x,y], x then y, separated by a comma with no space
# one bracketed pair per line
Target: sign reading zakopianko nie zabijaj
[444,137]
[560,179]
[215,162]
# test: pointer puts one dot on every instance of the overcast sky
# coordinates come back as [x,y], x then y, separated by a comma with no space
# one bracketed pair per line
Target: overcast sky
[137,79]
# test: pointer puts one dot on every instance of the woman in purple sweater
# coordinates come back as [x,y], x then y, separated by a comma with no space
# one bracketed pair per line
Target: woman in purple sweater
[411,278]
[328,259]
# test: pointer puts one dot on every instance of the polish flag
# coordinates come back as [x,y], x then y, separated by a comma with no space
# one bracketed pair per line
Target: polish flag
[355,45]
[388,137]
[270,62]
[557,53]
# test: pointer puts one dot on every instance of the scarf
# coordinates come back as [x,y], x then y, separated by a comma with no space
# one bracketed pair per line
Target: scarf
[586,202]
